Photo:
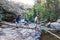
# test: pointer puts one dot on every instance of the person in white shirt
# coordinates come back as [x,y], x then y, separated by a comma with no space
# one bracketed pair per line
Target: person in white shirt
[36,19]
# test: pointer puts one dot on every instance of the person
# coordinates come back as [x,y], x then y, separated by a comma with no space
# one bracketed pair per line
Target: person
[36,19]
[27,19]
[18,18]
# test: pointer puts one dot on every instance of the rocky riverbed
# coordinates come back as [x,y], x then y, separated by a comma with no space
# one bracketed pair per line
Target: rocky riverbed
[11,33]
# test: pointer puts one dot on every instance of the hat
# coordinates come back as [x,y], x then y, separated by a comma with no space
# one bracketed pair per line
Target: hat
[19,15]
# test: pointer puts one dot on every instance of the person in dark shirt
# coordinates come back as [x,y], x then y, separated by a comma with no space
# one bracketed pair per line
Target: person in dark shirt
[18,18]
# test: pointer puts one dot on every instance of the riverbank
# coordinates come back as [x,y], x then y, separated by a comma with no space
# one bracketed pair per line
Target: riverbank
[47,36]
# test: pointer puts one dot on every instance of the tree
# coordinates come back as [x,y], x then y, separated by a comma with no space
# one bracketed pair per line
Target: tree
[47,11]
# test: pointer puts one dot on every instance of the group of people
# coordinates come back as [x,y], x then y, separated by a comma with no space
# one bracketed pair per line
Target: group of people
[18,18]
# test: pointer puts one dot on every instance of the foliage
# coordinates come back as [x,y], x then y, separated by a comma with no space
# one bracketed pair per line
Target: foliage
[47,11]
[31,15]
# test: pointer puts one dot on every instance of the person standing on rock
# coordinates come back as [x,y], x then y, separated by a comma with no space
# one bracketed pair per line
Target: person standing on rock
[36,21]
[27,19]
[18,21]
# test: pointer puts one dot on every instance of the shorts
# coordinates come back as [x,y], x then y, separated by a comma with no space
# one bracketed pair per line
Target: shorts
[27,21]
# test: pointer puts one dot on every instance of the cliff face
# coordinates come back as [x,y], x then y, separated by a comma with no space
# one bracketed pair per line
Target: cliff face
[2,1]
[7,11]
[10,6]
